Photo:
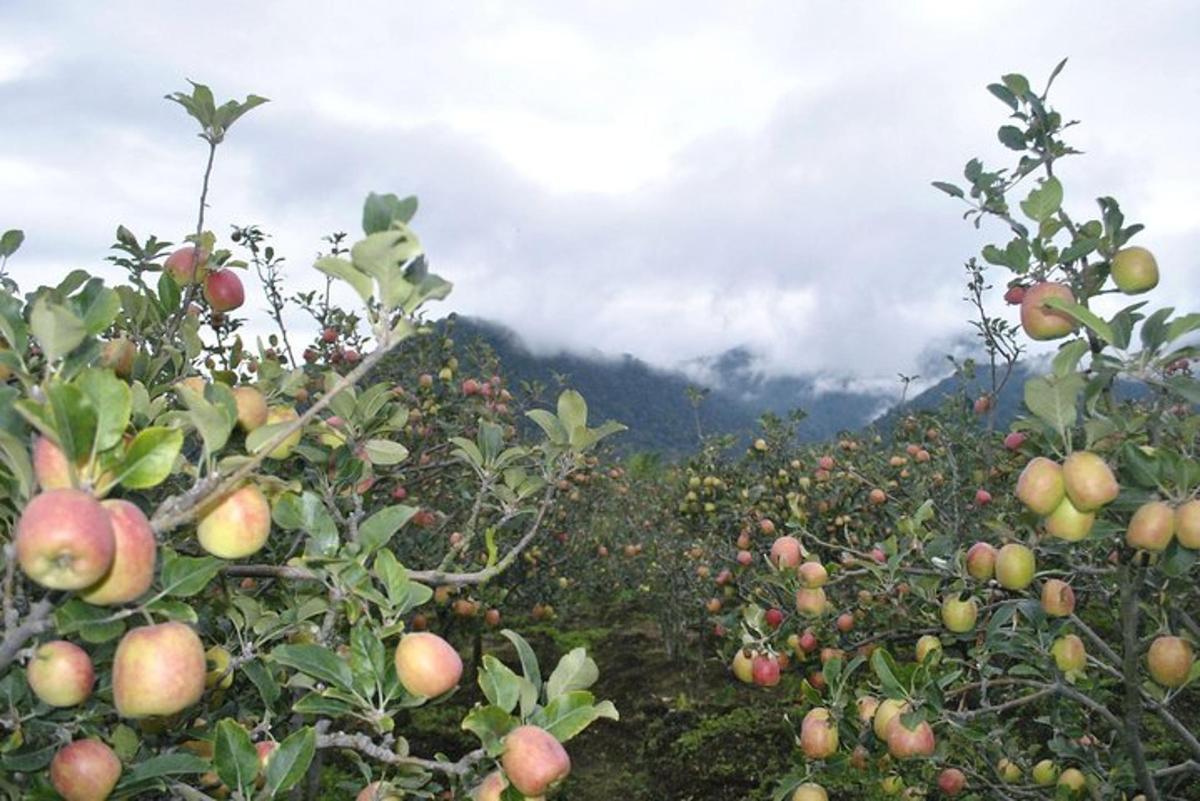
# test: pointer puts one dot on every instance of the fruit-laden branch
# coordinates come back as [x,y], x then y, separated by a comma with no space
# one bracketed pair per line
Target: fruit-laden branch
[37,621]
[190,295]
[365,745]
[180,509]
[423,576]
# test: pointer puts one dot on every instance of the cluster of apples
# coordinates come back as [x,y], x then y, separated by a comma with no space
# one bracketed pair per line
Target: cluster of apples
[533,760]
[222,288]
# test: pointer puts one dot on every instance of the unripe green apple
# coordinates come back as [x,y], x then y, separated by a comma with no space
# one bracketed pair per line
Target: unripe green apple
[1134,270]
[1170,661]
[1045,773]
[818,734]
[809,791]
[958,615]
[1089,481]
[811,602]
[65,540]
[284,414]
[888,709]
[236,525]
[251,407]
[1058,599]
[1068,523]
[491,788]
[1074,781]
[786,552]
[158,670]
[891,785]
[534,761]
[1010,772]
[981,561]
[60,674]
[1015,566]
[1041,322]
[926,645]
[1069,655]
[906,743]
[1152,527]
[1040,486]
[1187,524]
[136,550]
[427,665]
[85,770]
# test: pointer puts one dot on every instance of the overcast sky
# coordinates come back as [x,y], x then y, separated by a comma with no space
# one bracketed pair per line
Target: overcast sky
[667,179]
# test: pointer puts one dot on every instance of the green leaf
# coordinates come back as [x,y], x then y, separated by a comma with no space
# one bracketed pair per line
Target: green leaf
[569,714]
[290,760]
[383,256]
[234,756]
[317,704]
[15,455]
[75,420]
[490,724]
[1005,95]
[1043,201]
[184,576]
[1053,399]
[1011,137]
[529,663]
[1066,361]
[56,327]
[1083,315]
[949,189]
[113,401]
[268,688]
[385,452]
[307,513]
[549,424]
[90,622]
[884,667]
[572,410]
[500,685]
[150,457]
[379,528]
[176,764]
[345,271]
[380,211]
[318,662]
[575,671]
[10,242]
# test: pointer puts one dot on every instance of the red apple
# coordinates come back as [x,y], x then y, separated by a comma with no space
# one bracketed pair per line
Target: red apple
[1040,486]
[1089,481]
[134,555]
[65,540]
[982,497]
[774,618]
[85,770]
[786,552]
[158,670]
[1058,599]
[764,670]
[1170,661]
[906,743]
[184,264]
[427,665]
[818,734]
[1014,295]
[534,761]
[60,674]
[1041,322]
[951,781]
[813,574]
[1014,440]
[981,561]
[1152,527]
[224,290]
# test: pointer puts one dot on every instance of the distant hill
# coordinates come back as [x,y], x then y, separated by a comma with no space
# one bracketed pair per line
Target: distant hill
[654,402]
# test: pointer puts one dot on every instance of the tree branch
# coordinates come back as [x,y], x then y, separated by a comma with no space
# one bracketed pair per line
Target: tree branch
[365,745]
[37,621]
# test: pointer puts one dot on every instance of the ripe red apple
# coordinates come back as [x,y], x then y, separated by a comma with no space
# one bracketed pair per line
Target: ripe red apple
[1040,486]
[810,602]
[1058,599]
[764,670]
[1069,654]
[1014,295]
[534,761]
[1089,481]
[158,670]
[251,407]
[492,617]
[774,618]
[1068,523]
[982,497]
[85,770]
[786,552]
[1014,440]
[982,405]
[745,558]
[887,710]
[65,540]
[878,555]
[184,264]
[1134,270]
[844,622]
[813,574]
[906,743]
[60,674]
[236,525]
[1170,661]
[1015,566]
[1041,322]
[1187,524]
[810,791]
[427,665]
[981,561]
[224,290]
[951,781]
[958,615]
[877,497]
[808,641]
[134,555]
[818,734]
[1152,527]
